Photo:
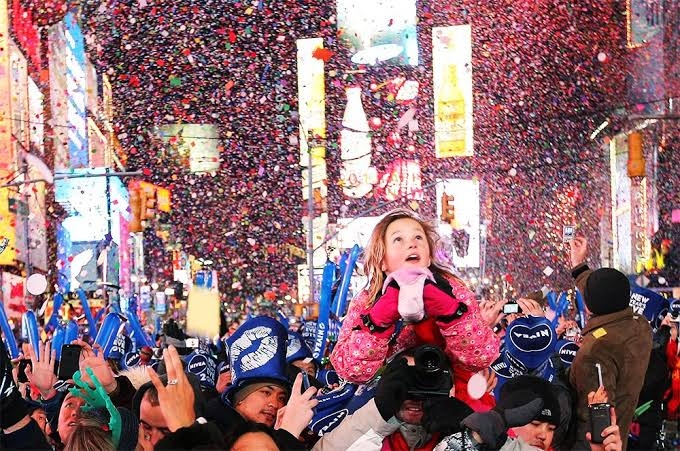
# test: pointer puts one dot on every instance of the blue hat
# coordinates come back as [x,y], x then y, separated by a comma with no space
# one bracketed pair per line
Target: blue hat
[297,348]
[308,332]
[257,353]
[130,360]
[566,349]
[121,346]
[508,367]
[332,409]
[531,340]
[328,377]
[203,366]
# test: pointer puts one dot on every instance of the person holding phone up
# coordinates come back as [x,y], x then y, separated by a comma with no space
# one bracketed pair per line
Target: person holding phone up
[615,339]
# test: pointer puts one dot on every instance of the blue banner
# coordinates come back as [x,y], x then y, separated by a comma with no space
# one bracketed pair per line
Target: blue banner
[324,311]
[646,302]
[341,294]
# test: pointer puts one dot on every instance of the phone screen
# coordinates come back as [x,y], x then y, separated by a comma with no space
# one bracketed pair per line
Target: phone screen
[69,363]
[568,233]
[23,363]
[511,307]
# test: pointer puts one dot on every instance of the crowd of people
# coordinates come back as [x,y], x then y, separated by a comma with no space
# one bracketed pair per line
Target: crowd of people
[419,364]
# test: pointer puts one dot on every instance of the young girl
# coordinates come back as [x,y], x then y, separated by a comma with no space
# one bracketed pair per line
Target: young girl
[411,299]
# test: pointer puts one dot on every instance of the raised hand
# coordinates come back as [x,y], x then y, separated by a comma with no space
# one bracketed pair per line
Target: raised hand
[298,412]
[93,358]
[40,372]
[578,250]
[177,397]
[491,311]
[612,435]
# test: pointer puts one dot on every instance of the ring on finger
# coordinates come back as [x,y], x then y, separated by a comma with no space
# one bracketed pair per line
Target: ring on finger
[172,382]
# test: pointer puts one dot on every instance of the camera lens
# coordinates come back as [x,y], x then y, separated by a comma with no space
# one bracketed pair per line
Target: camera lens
[429,360]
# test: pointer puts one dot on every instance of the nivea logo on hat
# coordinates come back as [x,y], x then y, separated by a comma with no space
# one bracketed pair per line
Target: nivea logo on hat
[203,366]
[308,332]
[257,350]
[131,360]
[567,349]
[531,340]
[332,408]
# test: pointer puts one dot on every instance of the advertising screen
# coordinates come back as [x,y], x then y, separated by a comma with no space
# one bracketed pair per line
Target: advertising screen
[645,20]
[85,200]
[198,142]
[19,100]
[460,237]
[621,207]
[379,32]
[36,115]
[120,217]
[452,80]
[58,95]
[76,88]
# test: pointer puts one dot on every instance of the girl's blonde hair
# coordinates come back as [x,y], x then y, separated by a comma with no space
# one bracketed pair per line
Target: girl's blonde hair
[375,250]
[89,435]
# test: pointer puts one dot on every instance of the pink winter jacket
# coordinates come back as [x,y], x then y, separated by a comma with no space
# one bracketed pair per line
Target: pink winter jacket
[359,354]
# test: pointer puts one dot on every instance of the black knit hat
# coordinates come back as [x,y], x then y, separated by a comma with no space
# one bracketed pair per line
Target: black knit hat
[607,291]
[541,388]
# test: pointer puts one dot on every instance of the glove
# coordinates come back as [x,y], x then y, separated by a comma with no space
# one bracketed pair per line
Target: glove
[393,388]
[411,282]
[516,409]
[384,313]
[12,406]
[444,415]
[440,302]
[97,398]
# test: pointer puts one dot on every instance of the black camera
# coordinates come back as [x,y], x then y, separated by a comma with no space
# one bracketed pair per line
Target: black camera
[432,373]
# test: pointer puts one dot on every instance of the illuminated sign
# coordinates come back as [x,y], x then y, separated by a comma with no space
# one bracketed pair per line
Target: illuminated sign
[58,95]
[312,101]
[84,198]
[199,143]
[379,32]
[644,20]
[452,80]
[460,237]
[76,88]
[26,32]
[622,236]
[7,152]
[402,180]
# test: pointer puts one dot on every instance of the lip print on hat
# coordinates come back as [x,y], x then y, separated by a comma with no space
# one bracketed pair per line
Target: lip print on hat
[259,357]
[531,339]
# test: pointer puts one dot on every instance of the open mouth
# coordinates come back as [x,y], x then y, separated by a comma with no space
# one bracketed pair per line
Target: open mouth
[413,258]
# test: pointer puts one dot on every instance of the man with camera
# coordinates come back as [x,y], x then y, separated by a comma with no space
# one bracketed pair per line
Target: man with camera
[411,408]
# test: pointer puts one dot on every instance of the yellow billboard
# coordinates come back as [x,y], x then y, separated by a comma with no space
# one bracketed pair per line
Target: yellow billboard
[311,100]
[452,83]
[7,151]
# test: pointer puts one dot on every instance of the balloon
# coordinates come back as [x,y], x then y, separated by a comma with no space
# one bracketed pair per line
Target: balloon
[344,284]
[88,312]
[9,335]
[324,311]
[106,336]
[58,339]
[57,300]
[29,329]
[138,335]
[36,284]
[71,332]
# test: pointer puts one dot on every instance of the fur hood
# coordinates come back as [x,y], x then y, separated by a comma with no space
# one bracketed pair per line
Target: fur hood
[137,376]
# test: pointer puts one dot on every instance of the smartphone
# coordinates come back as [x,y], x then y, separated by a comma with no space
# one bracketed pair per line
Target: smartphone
[23,363]
[568,233]
[192,342]
[600,417]
[512,307]
[305,381]
[69,363]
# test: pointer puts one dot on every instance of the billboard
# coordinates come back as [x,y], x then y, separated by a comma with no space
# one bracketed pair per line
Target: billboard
[622,236]
[644,20]
[76,91]
[199,143]
[19,99]
[7,152]
[460,238]
[87,220]
[26,31]
[120,218]
[36,117]
[12,294]
[379,32]
[452,84]
[311,100]
[58,95]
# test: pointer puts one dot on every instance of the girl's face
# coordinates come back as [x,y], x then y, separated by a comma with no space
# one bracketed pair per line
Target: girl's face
[405,246]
